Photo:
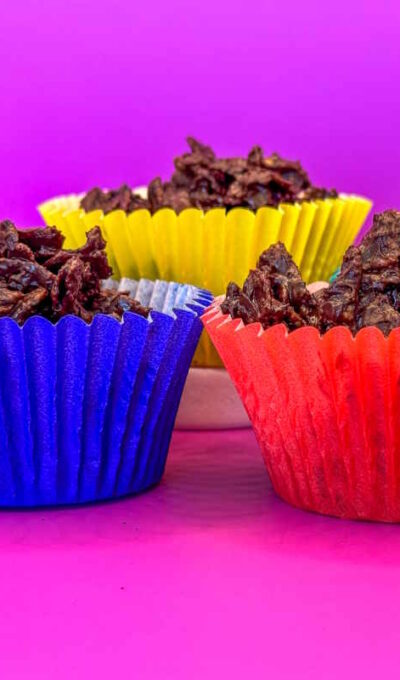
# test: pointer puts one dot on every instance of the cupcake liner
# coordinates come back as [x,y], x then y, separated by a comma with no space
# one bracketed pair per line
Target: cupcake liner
[213,248]
[87,411]
[324,410]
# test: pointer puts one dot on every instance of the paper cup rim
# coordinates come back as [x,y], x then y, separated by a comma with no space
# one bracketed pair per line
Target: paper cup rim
[200,301]
[213,313]
[342,196]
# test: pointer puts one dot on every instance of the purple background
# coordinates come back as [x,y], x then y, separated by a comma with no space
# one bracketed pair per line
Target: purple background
[101,92]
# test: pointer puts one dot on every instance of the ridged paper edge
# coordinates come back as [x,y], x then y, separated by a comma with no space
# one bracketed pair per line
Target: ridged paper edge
[324,409]
[87,410]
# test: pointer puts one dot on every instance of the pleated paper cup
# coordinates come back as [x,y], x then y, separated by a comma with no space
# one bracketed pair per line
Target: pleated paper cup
[325,410]
[87,411]
[213,248]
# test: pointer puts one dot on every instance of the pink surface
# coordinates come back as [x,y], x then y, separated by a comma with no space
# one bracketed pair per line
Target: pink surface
[207,576]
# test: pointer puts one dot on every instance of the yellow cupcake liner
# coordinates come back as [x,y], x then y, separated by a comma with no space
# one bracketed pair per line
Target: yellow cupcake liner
[210,249]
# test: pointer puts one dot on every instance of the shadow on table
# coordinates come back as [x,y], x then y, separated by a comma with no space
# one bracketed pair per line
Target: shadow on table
[215,486]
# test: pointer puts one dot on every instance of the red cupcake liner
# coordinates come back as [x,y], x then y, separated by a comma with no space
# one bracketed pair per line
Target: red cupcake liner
[325,410]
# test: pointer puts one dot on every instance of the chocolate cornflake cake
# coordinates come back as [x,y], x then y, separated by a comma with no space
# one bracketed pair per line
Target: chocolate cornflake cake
[37,277]
[365,293]
[202,180]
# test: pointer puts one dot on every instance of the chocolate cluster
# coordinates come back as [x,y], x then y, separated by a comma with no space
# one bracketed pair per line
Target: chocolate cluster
[115,199]
[38,277]
[201,180]
[366,292]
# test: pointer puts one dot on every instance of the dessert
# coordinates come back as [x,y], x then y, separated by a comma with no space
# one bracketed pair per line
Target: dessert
[38,277]
[202,180]
[366,291]
[319,374]
[87,403]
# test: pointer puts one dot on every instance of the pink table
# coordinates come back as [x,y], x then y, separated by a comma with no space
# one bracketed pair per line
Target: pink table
[207,576]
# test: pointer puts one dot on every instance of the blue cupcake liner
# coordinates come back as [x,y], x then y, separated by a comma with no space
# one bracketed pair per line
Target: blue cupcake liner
[87,411]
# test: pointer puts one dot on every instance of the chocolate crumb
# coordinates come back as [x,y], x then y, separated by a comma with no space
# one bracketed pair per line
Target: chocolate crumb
[115,199]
